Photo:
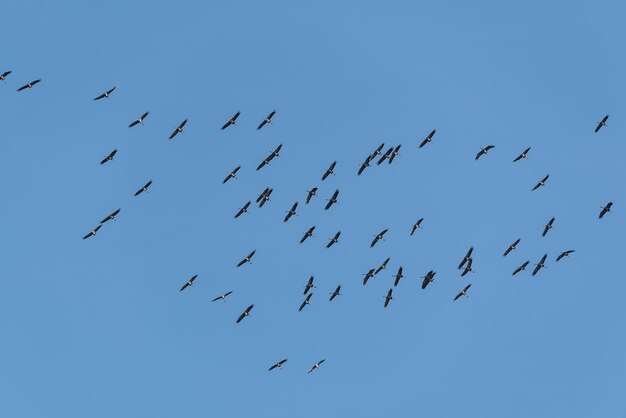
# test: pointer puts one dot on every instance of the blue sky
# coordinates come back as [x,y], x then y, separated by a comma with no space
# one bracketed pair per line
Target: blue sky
[98,327]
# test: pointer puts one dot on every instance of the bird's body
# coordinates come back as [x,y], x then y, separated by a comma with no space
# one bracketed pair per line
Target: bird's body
[368,276]
[265,197]
[29,85]
[4,75]
[548,227]
[309,285]
[335,293]
[522,155]
[307,234]
[511,247]
[110,216]
[310,194]
[178,129]
[139,120]
[93,232]
[430,277]
[564,254]
[246,259]
[522,267]
[106,94]
[243,209]
[222,297]
[378,237]
[364,165]
[462,292]
[383,266]
[332,200]
[468,267]
[109,157]
[144,188]
[316,365]
[268,119]
[467,257]
[231,121]
[306,301]
[188,282]
[386,155]
[277,365]
[428,138]
[232,174]
[541,182]
[601,123]
[605,210]
[270,157]
[245,314]
[333,240]
[484,151]
[389,297]
[394,153]
[329,171]
[398,277]
[540,265]
[291,212]
[416,226]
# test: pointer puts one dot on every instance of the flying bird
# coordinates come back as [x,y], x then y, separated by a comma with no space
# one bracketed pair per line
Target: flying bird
[308,233]
[29,85]
[547,227]
[316,365]
[332,200]
[416,226]
[231,121]
[541,182]
[263,194]
[188,283]
[139,120]
[309,285]
[106,94]
[540,265]
[430,277]
[265,197]
[484,151]
[511,247]
[4,75]
[466,258]
[243,209]
[222,297]
[179,129]
[245,313]
[269,158]
[305,302]
[389,297]
[468,267]
[333,240]
[564,254]
[291,212]
[383,266]
[268,119]
[364,165]
[384,156]
[110,216]
[144,188]
[378,237]
[395,153]
[93,232]
[522,155]
[521,268]
[605,210]
[335,293]
[278,365]
[377,151]
[398,276]
[109,157]
[247,259]
[368,276]
[601,123]
[310,194]
[232,174]
[462,292]
[329,170]
[429,138]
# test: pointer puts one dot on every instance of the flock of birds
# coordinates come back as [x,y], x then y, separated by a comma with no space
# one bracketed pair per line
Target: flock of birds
[378,157]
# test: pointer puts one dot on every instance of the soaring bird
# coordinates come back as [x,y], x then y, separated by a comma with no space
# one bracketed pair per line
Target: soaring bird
[383,266]
[468,267]
[232,174]
[335,293]
[106,94]
[394,153]
[308,233]
[368,276]
[269,158]
[416,226]
[178,130]
[541,182]
[521,268]
[247,259]
[139,120]
[305,302]
[4,75]
[378,237]
[377,151]
[398,276]
[316,365]
[266,197]
[245,313]
[511,247]
[462,292]
[29,85]
[222,297]
[429,138]
[522,155]
[332,200]
[329,171]
[333,240]
[310,194]
[389,297]
[364,165]
[430,277]
[484,151]
[291,212]
[564,254]
[188,282]
[144,188]
[231,121]
[384,156]
[605,210]
[278,365]
[547,227]
[268,119]
[601,123]
[93,232]
[110,216]
[540,265]
[109,157]
[243,209]
[309,285]
[263,194]
[465,259]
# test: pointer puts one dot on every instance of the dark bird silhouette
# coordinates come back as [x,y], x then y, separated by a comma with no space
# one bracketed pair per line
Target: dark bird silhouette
[540,265]
[291,212]
[335,293]
[144,188]
[564,254]
[605,210]
[139,120]
[222,297]
[484,151]
[511,247]
[278,365]
[416,226]
[231,121]
[329,171]
[521,268]
[430,277]
[384,156]
[468,267]
[266,197]
[110,216]
[243,209]
[109,157]
[106,94]
[309,285]
[332,200]
[383,266]
[378,237]
[377,151]
[601,123]
[394,153]
[541,182]
[308,233]
[368,276]
[364,165]
[262,195]
[188,283]
[268,119]
[29,85]
[305,302]
[547,227]
[93,232]
[179,129]
[462,292]
[4,75]
[389,297]
[398,276]
[269,158]
[247,259]
[522,155]
[310,194]
[465,259]
[429,138]
[316,365]
[333,240]
[245,313]
[232,174]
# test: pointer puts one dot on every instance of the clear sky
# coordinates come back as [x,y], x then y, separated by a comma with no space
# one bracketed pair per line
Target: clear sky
[98,327]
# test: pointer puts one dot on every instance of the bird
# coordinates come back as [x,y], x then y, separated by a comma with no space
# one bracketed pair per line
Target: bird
[106,94]
[110,216]
[541,182]
[430,277]
[462,292]
[305,302]
[247,259]
[368,276]
[262,195]
[389,297]
[511,247]
[139,120]
[605,210]
[333,240]
[244,313]
[269,158]
[268,119]
[335,293]
[547,227]
[93,232]
[468,267]
[394,153]
[522,155]
[428,138]
[231,121]
[316,365]
[265,197]
[468,255]
[4,75]
[416,226]
[232,174]
[364,165]
[144,188]
[310,194]
[601,123]
[383,266]
[188,282]
[178,130]
[308,233]
[398,276]
[377,151]
[329,171]
[378,237]
[309,285]
[29,85]
[484,151]
[278,365]
[522,267]
[243,209]
[291,212]
[564,254]
[384,156]
[109,157]
[332,200]
[540,265]
[222,297]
